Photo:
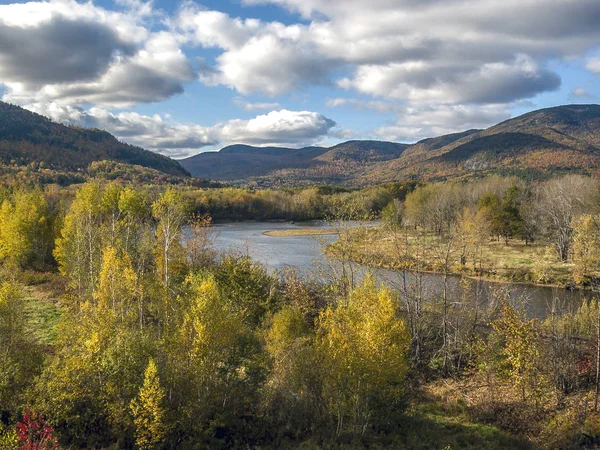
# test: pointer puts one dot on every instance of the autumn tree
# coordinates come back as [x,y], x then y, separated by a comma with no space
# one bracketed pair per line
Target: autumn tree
[148,411]
[364,347]
[520,351]
[79,248]
[26,235]
[171,211]
[586,247]
[562,199]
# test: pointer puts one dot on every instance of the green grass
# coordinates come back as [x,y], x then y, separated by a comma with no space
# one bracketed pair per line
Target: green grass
[43,316]
[432,426]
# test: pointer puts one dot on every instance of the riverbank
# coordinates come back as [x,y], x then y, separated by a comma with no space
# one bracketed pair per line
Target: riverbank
[512,261]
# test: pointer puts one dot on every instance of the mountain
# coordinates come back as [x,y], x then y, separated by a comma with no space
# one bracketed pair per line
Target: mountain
[538,144]
[26,137]
[279,165]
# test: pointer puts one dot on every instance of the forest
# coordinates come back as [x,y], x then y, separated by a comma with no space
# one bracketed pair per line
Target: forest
[121,326]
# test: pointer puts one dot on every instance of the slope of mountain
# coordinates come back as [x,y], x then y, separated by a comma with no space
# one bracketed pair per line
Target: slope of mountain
[26,137]
[243,161]
[278,165]
[537,144]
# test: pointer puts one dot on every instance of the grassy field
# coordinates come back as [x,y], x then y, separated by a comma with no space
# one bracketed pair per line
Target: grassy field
[513,261]
[42,305]
[300,232]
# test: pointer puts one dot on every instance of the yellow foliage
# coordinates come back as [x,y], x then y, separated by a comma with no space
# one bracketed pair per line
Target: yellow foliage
[148,412]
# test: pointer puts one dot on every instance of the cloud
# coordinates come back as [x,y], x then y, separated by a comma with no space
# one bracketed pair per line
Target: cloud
[418,121]
[490,83]
[455,51]
[258,106]
[593,65]
[177,140]
[580,94]
[79,53]
[364,105]
[279,127]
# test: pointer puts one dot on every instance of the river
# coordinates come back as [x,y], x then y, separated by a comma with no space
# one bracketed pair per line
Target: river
[304,253]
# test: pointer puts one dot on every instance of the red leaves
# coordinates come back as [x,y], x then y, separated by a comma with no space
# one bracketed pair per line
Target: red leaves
[34,432]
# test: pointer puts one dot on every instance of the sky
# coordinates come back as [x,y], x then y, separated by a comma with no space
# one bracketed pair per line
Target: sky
[185,77]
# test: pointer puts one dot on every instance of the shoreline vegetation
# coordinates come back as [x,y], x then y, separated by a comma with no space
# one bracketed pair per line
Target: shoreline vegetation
[512,262]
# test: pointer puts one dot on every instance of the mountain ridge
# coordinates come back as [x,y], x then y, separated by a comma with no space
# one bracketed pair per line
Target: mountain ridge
[536,144]
[27,137]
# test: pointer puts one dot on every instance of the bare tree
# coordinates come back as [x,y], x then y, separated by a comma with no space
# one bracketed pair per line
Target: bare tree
[562,199]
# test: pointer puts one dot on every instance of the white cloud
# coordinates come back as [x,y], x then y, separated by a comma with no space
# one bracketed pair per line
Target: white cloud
[593,65]
[278,127]
[429,50]
[416,121]
[295,128]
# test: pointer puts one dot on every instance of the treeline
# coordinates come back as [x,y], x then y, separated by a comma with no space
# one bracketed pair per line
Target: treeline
[297,204]
[562,212]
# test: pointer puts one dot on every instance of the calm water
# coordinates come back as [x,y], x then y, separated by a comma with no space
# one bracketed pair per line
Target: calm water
[304,253]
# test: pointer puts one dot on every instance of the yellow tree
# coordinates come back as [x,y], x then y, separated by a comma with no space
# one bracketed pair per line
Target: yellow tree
[586,247]
[79,248]
[521,350]
[148,412]
[25,229]
[211,358]
[293,391]
[364,346]
[171,211]
[117,283]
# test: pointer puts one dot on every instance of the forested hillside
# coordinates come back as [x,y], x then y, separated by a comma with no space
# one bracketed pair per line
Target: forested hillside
[26,137]
[276,165]
[537,145]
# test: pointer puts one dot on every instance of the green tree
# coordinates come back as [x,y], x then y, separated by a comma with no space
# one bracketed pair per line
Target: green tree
[148,412]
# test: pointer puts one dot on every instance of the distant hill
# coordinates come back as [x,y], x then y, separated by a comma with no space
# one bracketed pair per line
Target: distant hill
[26,137]
[281,165]
[538,144]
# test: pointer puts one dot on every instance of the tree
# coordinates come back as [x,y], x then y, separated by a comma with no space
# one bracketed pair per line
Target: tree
[586,247]
[148,412]
[491,206]
[171,212]
[79,248]
[25,230]
[510,217]
[562,199]
[364,347]
[199,245]
[472,231]
[521,350]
